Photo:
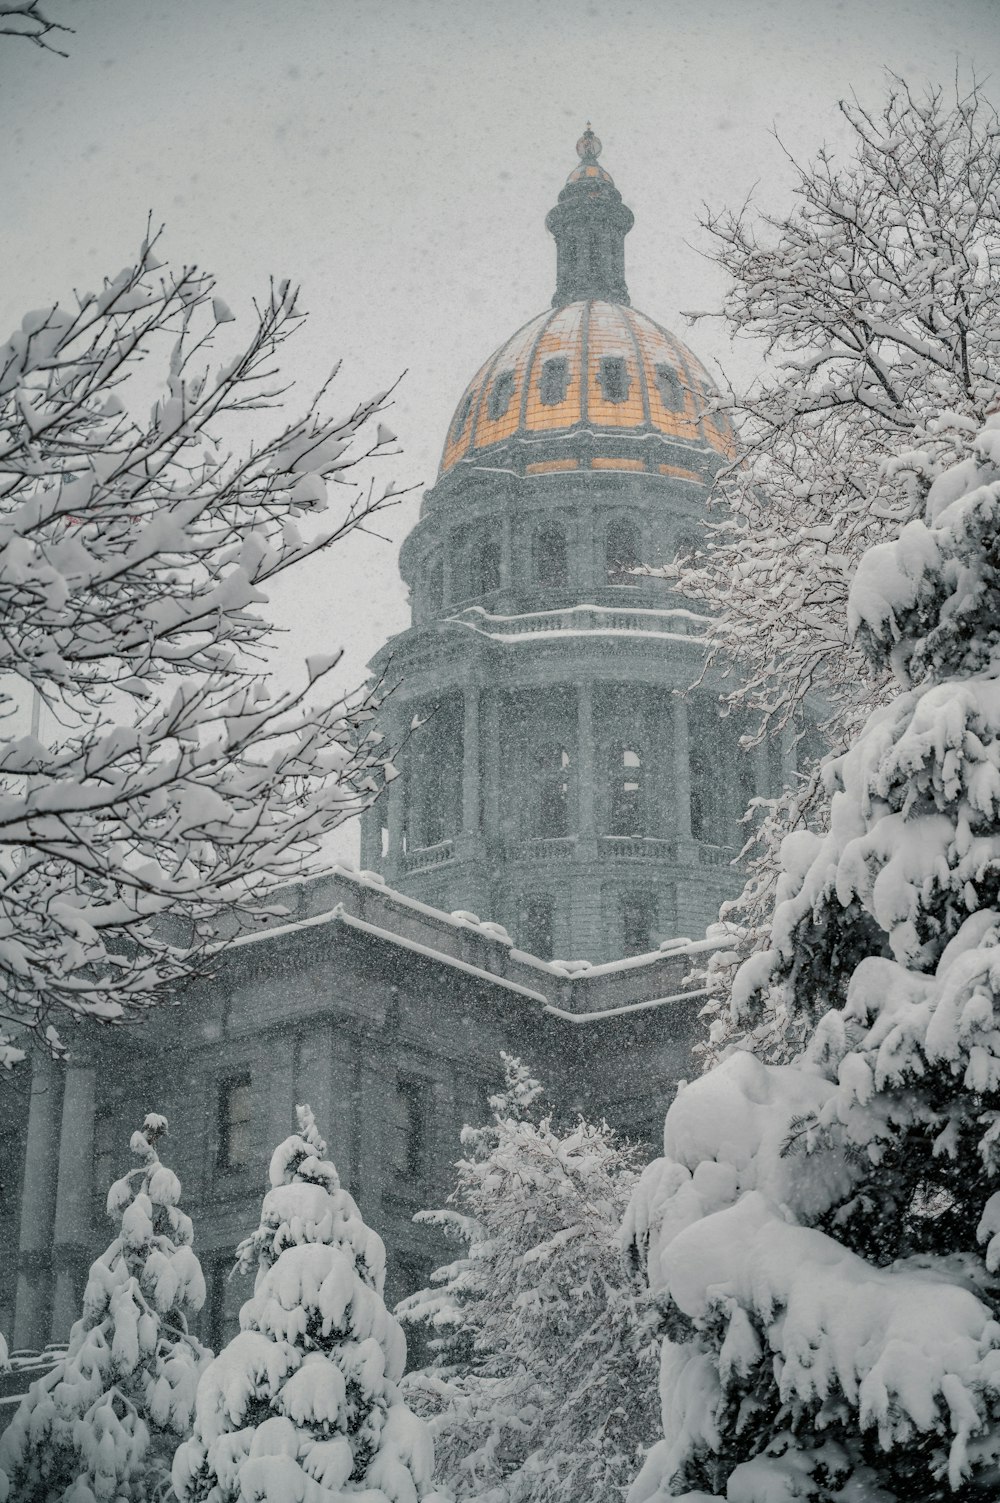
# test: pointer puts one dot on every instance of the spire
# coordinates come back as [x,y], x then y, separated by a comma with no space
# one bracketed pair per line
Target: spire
[590,223]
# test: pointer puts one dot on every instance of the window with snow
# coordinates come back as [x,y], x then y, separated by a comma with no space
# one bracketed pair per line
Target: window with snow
[535,927]
[622,550]
[407,1129]
[488,566]
[435,587]
[613,378]
[639,919]
[553,381]
[668,384]
[500,394]
[551,563]
[625,814]
[551,775]
[235,1122]
[461,417]
[687,545]
[434,775]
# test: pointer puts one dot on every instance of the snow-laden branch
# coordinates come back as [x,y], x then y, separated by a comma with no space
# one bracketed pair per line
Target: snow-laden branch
[173,783]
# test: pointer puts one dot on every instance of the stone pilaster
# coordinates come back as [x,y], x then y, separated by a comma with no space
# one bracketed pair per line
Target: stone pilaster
[470,762]
[72,1237]
[585,760]
[38,1204]
[682,770]
[395,795]
[490,792]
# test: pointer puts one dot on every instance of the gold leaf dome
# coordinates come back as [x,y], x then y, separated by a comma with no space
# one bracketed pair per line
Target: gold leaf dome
[593,367]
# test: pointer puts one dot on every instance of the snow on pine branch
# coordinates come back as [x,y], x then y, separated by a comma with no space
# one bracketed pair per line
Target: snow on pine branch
[135,558]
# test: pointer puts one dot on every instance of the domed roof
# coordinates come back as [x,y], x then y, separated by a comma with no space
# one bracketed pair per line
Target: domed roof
[591,366]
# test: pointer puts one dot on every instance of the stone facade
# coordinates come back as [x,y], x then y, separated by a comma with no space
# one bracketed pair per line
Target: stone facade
[388,1017]
[553,784]
[554,776]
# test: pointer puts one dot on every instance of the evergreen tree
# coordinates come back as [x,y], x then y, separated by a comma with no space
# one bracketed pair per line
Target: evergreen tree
[105,1421]
[541,1384]
[303,1405]
[876,295]
[824,1235]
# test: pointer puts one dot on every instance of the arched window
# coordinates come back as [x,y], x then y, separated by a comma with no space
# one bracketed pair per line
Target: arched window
[551,776]
[534,929]
[553,381]
[434,806]
[638,923]
[500,394]
[551,567]
[488,566]
[668,384]
[625,813]
[687,544]
[435,588]
[622,550]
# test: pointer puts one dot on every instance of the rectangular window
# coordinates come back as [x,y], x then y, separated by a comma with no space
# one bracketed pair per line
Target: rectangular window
[536,927]
[614,378]
[638,923]
[553,382]
[407,1129]
[235,1122]
[669,387]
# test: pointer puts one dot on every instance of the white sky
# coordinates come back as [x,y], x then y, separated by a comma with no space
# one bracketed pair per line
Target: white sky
[397,157]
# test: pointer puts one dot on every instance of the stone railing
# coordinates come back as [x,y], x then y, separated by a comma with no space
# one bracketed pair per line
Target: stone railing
[715,855]
[540,849]
[428,855]
[636,848]
[638,621]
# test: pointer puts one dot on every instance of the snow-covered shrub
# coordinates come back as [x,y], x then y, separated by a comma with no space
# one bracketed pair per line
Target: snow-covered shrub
[824,1235]
[541,1383]
[105,1421]
[303,1405]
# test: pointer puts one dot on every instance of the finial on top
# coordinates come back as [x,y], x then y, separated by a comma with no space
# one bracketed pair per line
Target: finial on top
[588,148]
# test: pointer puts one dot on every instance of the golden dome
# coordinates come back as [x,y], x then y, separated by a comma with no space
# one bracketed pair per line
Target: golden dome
[638,382]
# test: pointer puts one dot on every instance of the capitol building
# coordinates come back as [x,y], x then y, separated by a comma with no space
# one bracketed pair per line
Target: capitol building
[537,879]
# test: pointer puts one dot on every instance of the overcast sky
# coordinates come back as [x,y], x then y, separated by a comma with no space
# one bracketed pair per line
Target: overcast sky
[397,157]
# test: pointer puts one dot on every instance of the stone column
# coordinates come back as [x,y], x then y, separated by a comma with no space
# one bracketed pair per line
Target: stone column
[279,1092]
[73,1196]
[491,766]
[506,553]
[38,1202]
[395,813]
[682,770]
[585,761]
[371,836]
[470,762]
[446,550]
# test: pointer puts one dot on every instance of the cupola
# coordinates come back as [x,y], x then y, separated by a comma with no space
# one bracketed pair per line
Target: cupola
[590,223]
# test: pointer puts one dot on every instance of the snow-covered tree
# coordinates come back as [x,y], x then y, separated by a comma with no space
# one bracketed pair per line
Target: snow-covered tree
[303,1405]
[824,1235]
[171,783]
[104,1422]
[541,1383]
[877,302]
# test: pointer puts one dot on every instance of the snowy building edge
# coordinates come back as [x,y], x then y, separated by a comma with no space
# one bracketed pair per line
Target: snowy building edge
[573,989]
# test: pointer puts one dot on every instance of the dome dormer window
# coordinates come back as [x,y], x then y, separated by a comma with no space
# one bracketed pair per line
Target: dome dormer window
[553,382]
[500,394]
[669,386]
[461,417]
[613,378]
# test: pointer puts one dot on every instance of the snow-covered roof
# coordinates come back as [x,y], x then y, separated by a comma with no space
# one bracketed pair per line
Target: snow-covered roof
[361,901]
